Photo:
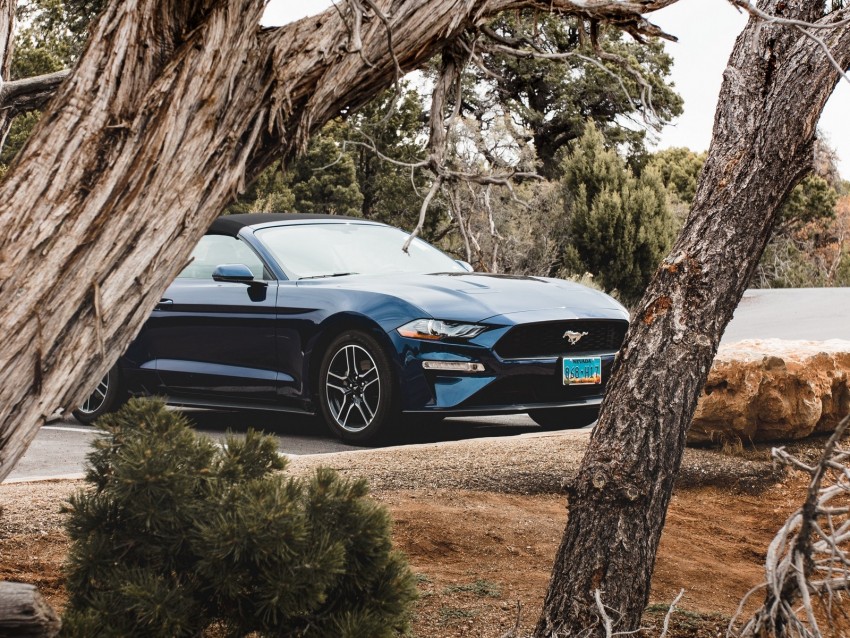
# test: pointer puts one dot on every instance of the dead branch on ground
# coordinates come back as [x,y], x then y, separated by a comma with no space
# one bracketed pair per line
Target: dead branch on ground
[809,559]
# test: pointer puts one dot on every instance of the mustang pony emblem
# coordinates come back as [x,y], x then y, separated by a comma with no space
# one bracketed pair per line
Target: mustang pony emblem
[574,337]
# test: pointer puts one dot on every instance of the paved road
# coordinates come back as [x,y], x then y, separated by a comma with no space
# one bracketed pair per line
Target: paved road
[59,449]
[810,314]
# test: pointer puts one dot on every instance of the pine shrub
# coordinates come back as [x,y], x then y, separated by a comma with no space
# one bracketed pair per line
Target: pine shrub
[177,536]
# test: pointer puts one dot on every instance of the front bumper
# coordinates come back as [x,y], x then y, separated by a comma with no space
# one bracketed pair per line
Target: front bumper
[506,386]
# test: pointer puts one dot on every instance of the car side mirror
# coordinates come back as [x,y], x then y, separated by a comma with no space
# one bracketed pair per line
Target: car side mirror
[234,273]
[465,265]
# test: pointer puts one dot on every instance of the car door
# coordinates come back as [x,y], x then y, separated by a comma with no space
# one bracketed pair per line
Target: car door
[214,341]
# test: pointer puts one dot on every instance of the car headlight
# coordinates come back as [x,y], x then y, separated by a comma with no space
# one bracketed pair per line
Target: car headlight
[436,330]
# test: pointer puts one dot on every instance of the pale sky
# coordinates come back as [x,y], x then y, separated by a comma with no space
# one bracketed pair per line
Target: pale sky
[706,30]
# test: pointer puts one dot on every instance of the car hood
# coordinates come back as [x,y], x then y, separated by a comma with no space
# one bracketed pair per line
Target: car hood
[477,297]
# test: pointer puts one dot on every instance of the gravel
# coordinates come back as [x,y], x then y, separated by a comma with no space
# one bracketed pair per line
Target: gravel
[534,463]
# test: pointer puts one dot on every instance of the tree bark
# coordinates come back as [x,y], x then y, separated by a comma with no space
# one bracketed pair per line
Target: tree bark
[7,27]
[774,90]
[23,612]
[147,141]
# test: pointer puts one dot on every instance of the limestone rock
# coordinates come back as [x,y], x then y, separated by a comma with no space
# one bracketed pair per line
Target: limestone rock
[766,390]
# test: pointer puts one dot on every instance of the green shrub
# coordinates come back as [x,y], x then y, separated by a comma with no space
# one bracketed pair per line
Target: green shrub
[175,535]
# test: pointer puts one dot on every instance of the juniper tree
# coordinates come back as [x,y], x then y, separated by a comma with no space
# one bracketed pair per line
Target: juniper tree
[175,534]
[619,224]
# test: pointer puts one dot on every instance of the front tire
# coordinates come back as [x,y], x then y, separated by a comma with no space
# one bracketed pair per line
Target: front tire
[107,396]
[357,392]
[565,418]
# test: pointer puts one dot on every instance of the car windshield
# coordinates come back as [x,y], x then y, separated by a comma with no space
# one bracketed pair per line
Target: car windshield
[336,249]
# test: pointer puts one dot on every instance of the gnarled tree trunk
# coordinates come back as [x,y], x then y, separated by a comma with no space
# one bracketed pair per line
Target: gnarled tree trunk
[774,90]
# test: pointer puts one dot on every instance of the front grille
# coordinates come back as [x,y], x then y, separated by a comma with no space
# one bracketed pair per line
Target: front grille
[534,340]
[533,389]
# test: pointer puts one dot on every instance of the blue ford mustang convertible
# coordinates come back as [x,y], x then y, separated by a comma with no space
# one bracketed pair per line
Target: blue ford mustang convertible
[327,315]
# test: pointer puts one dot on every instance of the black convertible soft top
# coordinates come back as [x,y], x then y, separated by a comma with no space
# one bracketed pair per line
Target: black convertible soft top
[232,224]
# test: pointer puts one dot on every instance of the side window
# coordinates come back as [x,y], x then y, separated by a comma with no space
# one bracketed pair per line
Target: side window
[215,250]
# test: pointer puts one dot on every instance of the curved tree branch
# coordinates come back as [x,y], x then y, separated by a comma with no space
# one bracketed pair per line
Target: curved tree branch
[20,96]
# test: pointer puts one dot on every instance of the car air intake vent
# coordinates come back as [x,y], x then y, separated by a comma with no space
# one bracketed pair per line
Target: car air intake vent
[551,339]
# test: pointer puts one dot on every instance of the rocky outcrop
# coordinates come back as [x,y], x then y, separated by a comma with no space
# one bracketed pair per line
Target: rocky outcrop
[766,390]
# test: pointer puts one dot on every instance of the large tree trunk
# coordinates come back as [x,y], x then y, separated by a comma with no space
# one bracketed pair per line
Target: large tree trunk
[150,138]
[773,92]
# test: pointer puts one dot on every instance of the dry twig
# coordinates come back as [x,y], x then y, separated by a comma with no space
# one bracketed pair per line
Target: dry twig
[810,555]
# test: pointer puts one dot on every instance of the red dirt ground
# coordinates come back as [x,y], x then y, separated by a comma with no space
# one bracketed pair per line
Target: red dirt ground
[478,554]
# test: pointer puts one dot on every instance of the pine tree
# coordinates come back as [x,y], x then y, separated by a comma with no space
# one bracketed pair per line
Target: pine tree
[175,535]
[619,225]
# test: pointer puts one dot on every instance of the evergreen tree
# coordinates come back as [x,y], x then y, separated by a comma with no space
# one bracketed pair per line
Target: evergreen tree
[619,225]
[813,199]
[175,535]
[554,99]
[679,170]
[399,133]
[271,192]
[324,179]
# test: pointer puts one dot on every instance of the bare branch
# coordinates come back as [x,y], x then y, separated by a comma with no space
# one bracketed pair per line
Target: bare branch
[669,613]
[422,212]
[603,615]
[806,557]
[383,18]
[803,27]
[513,632]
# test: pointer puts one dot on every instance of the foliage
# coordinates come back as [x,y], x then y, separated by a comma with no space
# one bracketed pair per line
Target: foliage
[324,180]
[175,535]
[396,128]
[53,35]
[816,253]
[620,226]
[809,241]
[19,132]
[341,172]
[554,99]
[679,169]
[271,192]
[813,199]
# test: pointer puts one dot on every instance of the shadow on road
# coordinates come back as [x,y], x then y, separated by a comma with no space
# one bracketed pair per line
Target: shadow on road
[300,434]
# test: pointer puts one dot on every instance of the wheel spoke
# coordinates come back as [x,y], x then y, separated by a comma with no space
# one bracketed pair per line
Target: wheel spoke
[369,409]
[347,413]
[341,407]
[360,405]
[351,360]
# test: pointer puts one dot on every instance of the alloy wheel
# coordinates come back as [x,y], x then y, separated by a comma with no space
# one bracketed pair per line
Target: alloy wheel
[353,388]
[97,398]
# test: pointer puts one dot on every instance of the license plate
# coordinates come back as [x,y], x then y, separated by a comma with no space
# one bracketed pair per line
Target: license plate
[584,371]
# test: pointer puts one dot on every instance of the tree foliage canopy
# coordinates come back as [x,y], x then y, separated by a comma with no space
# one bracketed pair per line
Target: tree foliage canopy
[554,99]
